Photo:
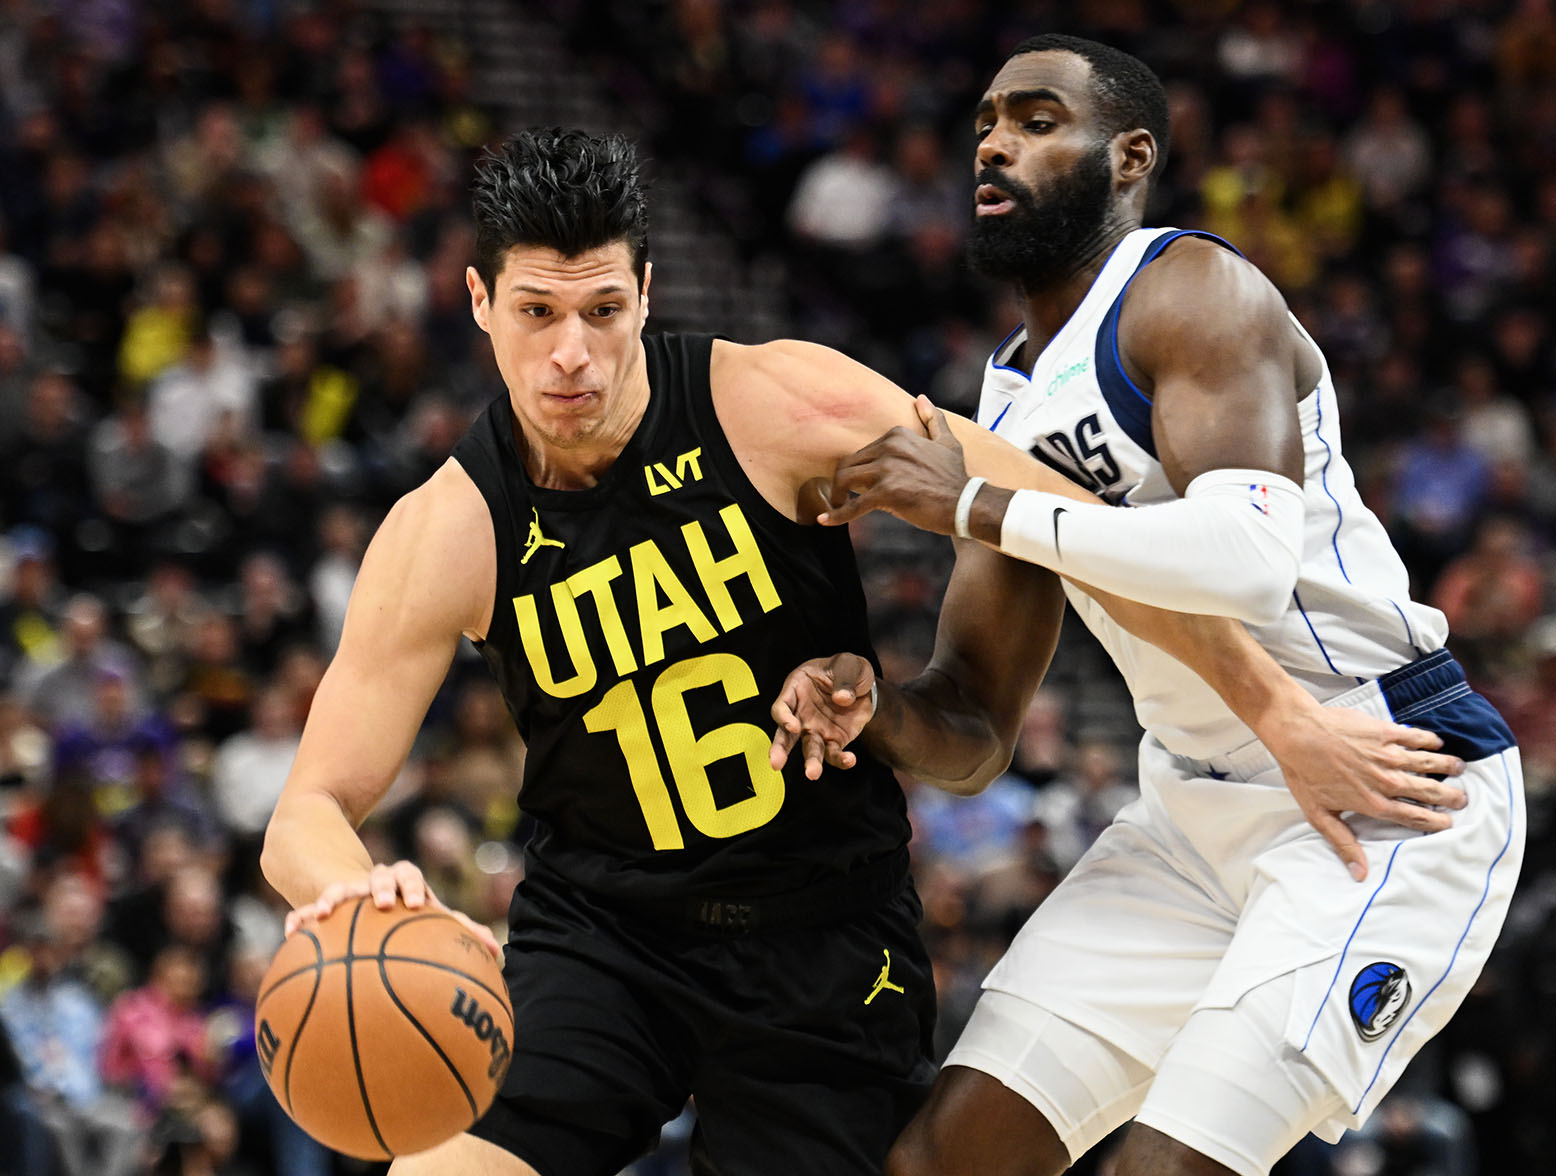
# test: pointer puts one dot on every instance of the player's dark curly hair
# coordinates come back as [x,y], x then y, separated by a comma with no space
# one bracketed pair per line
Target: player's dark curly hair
[563,189]
[1128,94]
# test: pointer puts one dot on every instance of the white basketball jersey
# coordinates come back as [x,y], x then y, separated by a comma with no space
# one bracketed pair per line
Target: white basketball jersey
[1350,617]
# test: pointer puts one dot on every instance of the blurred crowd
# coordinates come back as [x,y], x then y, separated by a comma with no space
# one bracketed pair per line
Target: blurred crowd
[234,329]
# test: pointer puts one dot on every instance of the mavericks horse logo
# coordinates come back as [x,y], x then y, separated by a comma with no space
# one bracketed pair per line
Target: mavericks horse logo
[1379,994]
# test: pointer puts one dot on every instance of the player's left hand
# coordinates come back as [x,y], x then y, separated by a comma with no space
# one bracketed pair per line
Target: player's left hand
[1344,761]
[824,704]
[918,478]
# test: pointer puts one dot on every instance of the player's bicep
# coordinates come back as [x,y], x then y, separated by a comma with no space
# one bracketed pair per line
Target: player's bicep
[997,631]
[1220,365]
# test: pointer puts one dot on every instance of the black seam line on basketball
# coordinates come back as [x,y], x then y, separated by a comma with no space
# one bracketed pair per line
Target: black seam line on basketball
[383,944]
[291,1054]
[383,974]
[495,993]
[351,1024]
[425,915]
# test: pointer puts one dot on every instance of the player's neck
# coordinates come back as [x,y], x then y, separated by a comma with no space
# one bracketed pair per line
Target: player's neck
[582,464]
[1047,308]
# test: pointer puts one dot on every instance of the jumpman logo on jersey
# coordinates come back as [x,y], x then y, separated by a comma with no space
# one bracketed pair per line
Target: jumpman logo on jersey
[882,983]
[535,540]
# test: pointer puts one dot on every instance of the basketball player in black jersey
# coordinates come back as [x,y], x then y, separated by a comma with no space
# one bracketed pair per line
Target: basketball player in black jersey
[621,535]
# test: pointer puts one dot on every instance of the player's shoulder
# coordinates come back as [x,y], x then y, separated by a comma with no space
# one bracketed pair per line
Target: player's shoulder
[1200,279]
[1199,292]
[449,500]
[785,375]
[441,536]
[778,359]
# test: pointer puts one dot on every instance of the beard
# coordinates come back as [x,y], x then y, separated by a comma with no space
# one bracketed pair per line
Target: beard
[1042,240]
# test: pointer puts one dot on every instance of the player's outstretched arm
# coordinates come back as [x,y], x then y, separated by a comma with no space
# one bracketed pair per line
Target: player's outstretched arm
[1224,420]
[1333,760]
[955,725]
[428,576]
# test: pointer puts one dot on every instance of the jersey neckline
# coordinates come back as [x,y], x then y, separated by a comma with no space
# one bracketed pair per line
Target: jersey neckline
[555,498]
[1062,334]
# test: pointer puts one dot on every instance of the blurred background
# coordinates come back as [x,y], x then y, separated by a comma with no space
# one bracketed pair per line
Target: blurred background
[234,329]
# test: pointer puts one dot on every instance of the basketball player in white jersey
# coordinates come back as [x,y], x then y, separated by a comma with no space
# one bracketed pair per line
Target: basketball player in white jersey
[1207,969]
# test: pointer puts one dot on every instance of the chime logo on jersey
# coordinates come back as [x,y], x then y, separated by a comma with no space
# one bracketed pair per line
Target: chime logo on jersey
[1379,994]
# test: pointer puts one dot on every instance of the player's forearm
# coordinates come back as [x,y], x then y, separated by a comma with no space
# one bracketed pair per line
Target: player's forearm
[1230,547]
[928,729]
[309,844]
[1224,654]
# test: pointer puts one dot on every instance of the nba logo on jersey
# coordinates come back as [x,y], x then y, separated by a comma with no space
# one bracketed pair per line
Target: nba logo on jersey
[1259,495]
[1379,994]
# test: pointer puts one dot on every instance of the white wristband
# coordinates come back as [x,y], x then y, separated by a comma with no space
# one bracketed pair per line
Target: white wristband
[964,506]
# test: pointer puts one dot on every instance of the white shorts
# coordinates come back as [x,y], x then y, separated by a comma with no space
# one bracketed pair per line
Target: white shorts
[1213,885]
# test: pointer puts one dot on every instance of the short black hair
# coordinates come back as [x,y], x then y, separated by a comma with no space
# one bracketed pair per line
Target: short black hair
[566,190]
[1128,93]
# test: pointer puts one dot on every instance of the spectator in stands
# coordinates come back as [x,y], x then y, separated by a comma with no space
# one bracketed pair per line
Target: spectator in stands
[67,693]
[32,615]
[56,1026]
[1077,806]
[1438,492]
[209,393]
[156,1034]
[250,767]
[1491,595]
[138,482]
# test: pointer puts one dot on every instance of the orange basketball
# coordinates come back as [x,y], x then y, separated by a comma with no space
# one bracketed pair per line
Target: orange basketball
[384,1032]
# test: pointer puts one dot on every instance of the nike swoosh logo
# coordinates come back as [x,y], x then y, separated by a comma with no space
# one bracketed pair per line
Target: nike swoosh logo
[1058,510]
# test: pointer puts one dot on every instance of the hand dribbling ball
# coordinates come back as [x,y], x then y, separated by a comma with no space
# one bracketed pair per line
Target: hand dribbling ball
[384,1033]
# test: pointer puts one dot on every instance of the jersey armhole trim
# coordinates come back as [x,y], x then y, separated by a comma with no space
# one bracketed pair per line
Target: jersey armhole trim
[1130,407]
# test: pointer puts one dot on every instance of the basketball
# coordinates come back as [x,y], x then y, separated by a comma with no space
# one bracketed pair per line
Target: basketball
[383,1033]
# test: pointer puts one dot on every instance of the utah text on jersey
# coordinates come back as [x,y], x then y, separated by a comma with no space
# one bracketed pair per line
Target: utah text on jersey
[583,605]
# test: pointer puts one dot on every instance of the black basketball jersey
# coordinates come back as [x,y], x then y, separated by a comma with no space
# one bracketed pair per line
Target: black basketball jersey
[641,631]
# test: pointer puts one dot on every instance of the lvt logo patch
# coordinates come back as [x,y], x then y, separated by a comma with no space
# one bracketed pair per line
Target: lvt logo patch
[1379,994]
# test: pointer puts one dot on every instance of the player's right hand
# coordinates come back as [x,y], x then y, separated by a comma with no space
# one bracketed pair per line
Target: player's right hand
[1336,760]
[823,706]
[403,881]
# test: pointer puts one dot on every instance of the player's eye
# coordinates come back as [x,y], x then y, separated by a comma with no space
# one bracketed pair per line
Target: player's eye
[982,132]
[535,311]
[607,311]
[1039,124]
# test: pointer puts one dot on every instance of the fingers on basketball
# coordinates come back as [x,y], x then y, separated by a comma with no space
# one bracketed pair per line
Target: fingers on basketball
[384,1032]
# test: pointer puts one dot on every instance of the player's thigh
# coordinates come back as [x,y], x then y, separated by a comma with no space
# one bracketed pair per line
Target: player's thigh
[1125,946]
[601,1058]
[1024,1091]
[466,1155]
[1231,1091]
[826,1055]
[974,1123]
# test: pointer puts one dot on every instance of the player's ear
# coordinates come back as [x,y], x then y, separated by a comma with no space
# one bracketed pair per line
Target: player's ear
[648,276]
[480,303]
[1134,154]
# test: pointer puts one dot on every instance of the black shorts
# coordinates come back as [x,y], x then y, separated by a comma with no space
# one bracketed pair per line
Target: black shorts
[799,1057]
